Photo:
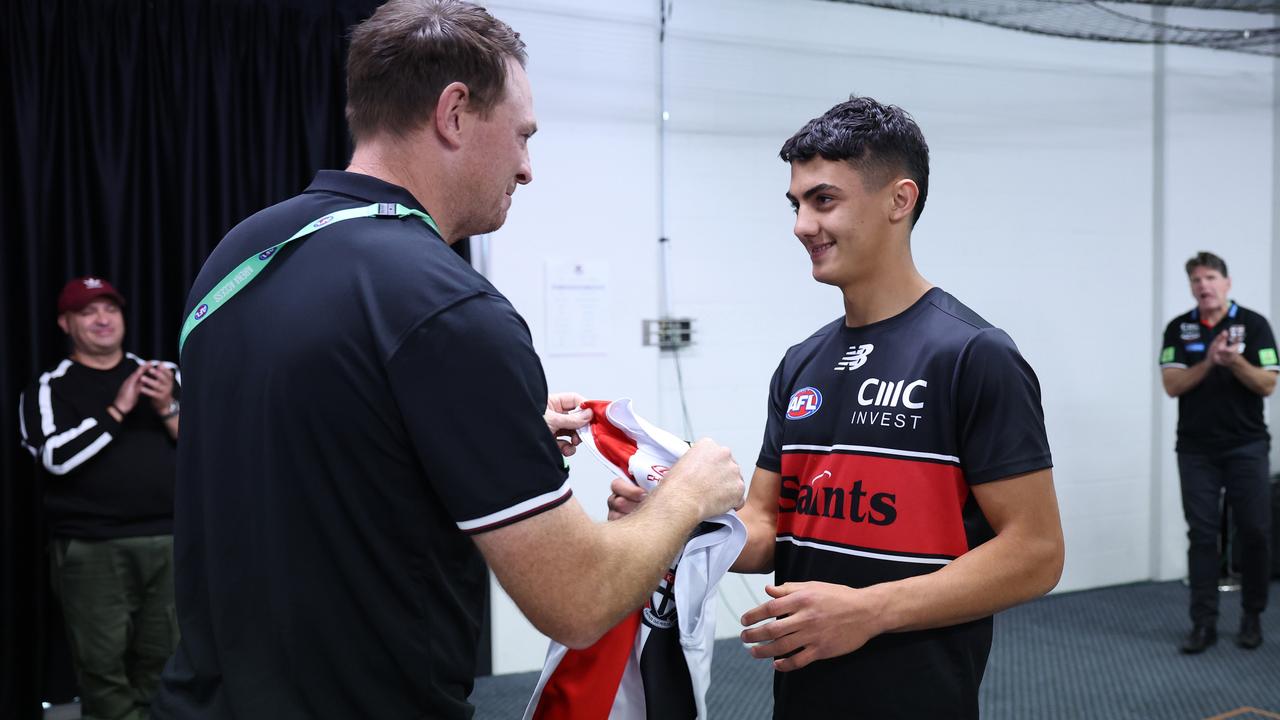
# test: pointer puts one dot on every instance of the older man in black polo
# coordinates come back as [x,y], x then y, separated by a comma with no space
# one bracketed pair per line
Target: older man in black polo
[1219,360]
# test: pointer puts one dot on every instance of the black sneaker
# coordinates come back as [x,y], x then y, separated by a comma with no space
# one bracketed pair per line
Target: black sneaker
[1250,636]
[1201,637]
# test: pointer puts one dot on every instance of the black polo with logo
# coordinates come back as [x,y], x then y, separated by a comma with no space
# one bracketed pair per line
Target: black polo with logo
[349,419]
[878,432]
[1219,413]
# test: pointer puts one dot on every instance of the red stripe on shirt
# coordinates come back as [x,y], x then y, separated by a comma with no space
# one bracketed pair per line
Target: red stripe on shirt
[585,682]
[894,505]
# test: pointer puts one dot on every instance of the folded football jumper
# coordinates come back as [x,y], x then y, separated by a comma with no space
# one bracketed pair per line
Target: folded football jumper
[656,663]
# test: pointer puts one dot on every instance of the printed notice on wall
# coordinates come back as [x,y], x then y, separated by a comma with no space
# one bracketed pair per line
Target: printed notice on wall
[577,307]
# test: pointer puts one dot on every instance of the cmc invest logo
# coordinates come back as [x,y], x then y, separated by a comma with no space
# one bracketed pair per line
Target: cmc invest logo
[804,402]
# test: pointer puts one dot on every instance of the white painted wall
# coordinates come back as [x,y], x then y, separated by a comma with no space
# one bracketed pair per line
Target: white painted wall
[1220,150]
[593,199]
[1022,131]
[1039,217]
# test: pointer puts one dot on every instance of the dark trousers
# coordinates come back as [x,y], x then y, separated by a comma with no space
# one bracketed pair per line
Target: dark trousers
[1243,472]
[117,600]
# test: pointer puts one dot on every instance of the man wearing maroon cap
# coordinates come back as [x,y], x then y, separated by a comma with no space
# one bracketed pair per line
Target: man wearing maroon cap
[104,424]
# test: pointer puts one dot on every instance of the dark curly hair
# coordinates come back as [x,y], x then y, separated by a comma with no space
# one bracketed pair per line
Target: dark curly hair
[882,142]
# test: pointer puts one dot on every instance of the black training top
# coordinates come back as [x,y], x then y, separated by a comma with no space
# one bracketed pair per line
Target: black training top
[104,479]
[350,417]
[878,432]
[1219,413]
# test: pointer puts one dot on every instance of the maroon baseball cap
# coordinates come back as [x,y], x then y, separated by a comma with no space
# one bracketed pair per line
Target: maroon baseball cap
[82,291]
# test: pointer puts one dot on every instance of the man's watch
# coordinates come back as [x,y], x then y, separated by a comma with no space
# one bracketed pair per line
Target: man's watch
[170,411]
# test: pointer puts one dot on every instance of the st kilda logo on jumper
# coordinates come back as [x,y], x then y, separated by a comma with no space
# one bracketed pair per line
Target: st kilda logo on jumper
[804,402]
[660,611]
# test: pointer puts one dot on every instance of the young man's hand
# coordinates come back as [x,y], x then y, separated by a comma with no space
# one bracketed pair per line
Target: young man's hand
[625,498]
[810,621]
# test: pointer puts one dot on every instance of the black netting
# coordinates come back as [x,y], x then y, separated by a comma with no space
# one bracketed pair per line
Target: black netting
[1124,21]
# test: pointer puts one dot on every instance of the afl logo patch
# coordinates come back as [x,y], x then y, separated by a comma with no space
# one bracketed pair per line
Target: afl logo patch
[266,253]
[322,221]
[202,311]
[804,402]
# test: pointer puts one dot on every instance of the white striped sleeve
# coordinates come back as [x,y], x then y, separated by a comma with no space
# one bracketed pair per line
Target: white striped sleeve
[64,442]
[66,451]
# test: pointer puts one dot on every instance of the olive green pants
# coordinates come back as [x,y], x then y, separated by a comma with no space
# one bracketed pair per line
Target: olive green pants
[117,601]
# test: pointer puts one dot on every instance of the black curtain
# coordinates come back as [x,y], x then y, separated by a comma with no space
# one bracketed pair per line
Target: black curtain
[133,135]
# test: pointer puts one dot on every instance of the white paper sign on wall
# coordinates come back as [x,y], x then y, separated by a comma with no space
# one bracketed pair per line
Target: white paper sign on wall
[577,296]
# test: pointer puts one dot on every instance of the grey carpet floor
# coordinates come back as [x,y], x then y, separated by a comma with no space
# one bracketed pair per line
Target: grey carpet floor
[1110,653]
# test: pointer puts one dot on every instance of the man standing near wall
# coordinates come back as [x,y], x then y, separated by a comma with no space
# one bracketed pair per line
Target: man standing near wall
[367,422]
[1220,361]
[904,490]
[102,423]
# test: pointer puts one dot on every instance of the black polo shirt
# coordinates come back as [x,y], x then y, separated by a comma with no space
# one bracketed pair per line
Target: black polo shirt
[1219,413]
[348,419]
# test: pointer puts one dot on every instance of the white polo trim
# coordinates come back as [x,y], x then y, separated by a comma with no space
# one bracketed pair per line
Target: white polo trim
[515,511]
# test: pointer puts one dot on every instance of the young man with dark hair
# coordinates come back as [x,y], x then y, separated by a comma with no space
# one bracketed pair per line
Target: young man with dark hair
[102,423]
[367,422]
[1219,360]
[904,489]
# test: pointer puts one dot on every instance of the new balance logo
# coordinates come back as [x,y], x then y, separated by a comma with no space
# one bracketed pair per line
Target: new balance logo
[856,357]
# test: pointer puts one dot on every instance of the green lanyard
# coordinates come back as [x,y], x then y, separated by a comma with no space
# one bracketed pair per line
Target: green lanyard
[252,267]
